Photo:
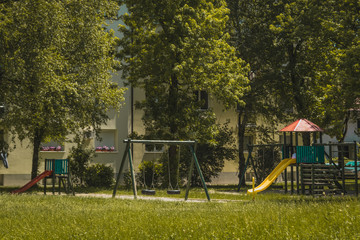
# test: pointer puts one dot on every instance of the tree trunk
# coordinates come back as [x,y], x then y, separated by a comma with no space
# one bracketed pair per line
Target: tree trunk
[242,120]
[341,149]
[173,149]
[36,149]
[345,127]
[173,166]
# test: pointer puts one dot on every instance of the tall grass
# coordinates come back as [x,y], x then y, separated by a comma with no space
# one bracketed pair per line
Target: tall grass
[270,216]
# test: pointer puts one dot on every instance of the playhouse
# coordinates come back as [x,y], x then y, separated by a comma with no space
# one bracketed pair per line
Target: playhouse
[318,168]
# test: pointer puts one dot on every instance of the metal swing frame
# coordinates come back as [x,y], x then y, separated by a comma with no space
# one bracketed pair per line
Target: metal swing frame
[127,153]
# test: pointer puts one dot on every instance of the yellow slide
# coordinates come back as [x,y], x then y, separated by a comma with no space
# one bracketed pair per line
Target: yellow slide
[273,175]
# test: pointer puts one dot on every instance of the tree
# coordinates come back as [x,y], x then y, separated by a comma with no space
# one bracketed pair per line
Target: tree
[211,156]
[248,26]
[291,54]
[172,49]
[341,100]
[57,61]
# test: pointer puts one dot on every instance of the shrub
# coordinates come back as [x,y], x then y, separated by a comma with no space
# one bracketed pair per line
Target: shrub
[79,162]
[150,173]
[99,175]
[211,156]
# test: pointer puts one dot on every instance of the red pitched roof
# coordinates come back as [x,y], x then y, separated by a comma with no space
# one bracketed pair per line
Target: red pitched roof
[302,125]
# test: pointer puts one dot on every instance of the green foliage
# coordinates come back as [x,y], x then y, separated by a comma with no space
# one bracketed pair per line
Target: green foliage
[171,49]
[99,175]
[57,60]
[211,156]
[150,174]
[302,57]
[79,162]
[342,91]
[265,159]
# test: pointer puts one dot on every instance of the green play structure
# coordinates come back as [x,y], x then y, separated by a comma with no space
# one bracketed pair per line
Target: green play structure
[316,171]
[59,169]
[310,154]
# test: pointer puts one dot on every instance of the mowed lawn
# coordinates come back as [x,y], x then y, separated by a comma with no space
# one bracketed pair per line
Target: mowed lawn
[270,216]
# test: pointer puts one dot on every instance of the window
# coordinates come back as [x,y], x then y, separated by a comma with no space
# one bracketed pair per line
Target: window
[203,97]
[106,142]
[358,124]
[154,148]
[248,140]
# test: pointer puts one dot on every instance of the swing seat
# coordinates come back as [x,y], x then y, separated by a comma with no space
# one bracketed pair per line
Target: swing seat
[173,191]
[148,192]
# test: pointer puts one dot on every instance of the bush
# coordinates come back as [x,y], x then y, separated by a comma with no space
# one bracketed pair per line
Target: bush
[79,162]
[150,173]
[211,156]
[99,175]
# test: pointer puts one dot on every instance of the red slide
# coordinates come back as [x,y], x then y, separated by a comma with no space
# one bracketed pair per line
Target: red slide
[32,182]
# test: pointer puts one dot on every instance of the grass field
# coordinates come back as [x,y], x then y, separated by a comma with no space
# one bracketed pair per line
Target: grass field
[270,216]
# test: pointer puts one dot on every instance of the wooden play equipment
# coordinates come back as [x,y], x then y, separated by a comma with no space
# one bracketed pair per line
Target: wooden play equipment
[54,169]
[191,145]
[313,175]
[59,169]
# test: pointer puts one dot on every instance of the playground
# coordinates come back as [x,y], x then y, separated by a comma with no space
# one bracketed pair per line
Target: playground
[317,169]
[318,200]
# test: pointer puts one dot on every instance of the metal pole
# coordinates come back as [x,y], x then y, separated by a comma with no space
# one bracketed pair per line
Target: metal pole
[356,170]
[292,167]
[342,164]
[133,181]
[199,171]
[53,176]
[170,142]
[121,168]
[286,156]
[188,185]
[297,165]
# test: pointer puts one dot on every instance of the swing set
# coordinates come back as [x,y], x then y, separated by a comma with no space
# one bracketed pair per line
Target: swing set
[149,190]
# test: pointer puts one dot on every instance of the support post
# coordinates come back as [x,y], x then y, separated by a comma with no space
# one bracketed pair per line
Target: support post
[286,187]
[312,179]
[292,179]
[291,167]
[133,181]
[188,185]
[356,170]
[342,164]
[53,176]
[302,181]
[297,165]
[199,171]
[121,168]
